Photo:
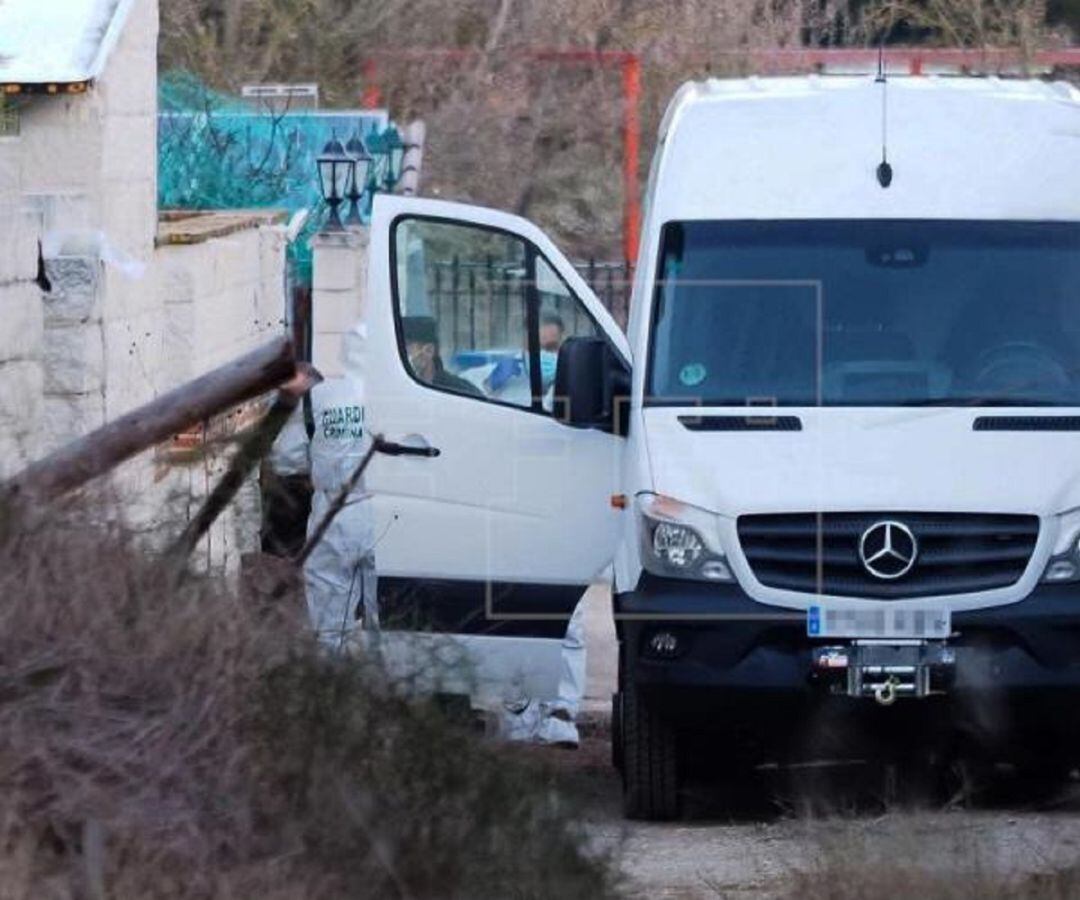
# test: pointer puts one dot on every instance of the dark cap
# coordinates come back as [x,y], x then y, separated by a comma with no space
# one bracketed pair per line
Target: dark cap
[419,330]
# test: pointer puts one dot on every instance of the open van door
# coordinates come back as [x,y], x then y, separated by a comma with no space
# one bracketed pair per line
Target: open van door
[501,516]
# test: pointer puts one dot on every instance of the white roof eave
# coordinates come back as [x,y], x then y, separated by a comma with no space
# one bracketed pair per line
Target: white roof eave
[67,46]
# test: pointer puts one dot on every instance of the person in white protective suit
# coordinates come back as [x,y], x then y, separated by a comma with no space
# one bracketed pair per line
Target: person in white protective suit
[552,721]
[327,438]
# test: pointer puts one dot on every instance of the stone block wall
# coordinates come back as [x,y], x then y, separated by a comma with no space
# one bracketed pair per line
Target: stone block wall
[123,319]
[80,180]
[21,332]
[340,279]
[221,297]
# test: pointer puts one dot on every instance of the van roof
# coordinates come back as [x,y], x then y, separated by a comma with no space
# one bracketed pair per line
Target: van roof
[809,147]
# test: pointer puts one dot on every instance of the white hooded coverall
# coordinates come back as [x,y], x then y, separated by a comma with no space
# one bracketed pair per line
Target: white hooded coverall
[339,576]
[553,721]
[327,442]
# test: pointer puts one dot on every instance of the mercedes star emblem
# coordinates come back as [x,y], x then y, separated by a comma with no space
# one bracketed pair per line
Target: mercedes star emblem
[888,550]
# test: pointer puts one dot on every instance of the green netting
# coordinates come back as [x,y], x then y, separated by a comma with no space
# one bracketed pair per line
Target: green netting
[216,151]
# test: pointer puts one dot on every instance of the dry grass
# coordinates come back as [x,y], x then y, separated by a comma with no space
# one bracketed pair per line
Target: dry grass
[902,882]
[903,857]
[192,743]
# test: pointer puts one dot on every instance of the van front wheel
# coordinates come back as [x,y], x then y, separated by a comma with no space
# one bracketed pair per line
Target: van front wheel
[650,767]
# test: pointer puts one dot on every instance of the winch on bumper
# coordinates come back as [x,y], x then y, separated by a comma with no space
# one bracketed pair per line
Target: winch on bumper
[704,653]
[884,670]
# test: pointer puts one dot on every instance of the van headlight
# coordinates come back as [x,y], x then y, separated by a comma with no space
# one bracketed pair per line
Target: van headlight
[1064,564]
[679,540]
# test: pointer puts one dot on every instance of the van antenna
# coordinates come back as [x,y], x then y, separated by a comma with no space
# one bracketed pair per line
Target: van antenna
[884,170]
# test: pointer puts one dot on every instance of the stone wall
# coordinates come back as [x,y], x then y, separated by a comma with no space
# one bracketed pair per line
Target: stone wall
[21,327]
[339,280]
[128,312]
[80,180]
[222,295]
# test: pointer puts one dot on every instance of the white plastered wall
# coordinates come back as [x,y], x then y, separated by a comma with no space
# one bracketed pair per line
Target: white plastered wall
[124,321]
[21,322]
[339,274]
[221,298]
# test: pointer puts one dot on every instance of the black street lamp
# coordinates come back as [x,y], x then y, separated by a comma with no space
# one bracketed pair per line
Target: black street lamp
[335,179]
[395,149]
[361,161]
[380,159]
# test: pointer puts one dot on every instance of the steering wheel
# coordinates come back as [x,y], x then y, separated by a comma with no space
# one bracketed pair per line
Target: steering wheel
[1017,367]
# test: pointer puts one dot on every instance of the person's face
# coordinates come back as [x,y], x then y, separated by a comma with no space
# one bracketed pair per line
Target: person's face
[422,359]
[550,337]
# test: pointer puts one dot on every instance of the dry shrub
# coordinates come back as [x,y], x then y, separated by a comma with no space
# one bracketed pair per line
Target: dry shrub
[189,742]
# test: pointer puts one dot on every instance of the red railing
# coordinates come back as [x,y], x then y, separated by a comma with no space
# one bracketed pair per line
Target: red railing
[776,61]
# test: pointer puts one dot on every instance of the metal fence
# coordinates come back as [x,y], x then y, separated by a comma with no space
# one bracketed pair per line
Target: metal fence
[612,282]
[475,303]
[480,303]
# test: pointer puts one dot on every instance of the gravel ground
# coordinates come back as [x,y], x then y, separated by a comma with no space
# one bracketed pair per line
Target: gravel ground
[768,848]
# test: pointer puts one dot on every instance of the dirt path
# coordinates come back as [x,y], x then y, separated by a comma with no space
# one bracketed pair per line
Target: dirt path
[771,849]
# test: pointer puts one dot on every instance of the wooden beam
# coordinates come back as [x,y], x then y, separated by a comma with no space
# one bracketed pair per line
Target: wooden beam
[256,446]
[95,454]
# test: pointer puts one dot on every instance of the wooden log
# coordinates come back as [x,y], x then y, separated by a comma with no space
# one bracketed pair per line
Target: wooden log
[254,447]
[95,454]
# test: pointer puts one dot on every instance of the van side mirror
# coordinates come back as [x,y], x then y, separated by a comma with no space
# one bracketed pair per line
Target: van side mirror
[592,385]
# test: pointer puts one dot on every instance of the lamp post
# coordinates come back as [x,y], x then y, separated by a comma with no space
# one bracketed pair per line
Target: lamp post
[395,151]
[336,173]
[361,162]
[379,159]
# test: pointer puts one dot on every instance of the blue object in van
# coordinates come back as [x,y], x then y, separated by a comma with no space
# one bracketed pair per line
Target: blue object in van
[470,359]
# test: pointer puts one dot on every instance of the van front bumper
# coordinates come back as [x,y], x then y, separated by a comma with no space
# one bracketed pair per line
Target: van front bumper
[1021,661]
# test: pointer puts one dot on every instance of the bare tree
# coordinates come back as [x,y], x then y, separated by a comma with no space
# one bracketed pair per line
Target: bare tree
[544,137]
[983,24]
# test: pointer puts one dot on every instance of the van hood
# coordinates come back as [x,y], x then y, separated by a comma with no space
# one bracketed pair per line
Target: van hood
[860,459]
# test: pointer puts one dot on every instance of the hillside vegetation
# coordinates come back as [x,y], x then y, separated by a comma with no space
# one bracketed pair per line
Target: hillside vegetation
[542,138]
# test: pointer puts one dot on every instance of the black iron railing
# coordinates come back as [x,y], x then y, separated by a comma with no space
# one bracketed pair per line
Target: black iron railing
[482,303]
[612,282]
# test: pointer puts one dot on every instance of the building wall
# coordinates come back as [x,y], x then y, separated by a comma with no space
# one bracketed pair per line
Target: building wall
[339,274]
[80,180]
[21,326]
[125,319]
[221,298]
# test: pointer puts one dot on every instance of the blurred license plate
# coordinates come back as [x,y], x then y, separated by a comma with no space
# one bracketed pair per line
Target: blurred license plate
[878,621]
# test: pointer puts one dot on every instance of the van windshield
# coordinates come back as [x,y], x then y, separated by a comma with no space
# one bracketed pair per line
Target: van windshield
[867,313]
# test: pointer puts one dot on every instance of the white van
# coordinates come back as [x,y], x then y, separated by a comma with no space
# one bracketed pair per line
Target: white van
[834,459]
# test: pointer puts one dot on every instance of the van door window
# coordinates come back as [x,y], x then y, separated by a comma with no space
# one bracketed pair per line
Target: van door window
[461,301]
[562,316]
[476,307]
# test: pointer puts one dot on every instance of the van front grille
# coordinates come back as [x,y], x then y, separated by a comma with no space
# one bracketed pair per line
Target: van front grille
[957,553]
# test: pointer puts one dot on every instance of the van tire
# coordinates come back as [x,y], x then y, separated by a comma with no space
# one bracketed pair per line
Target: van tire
[617,732]
[650,763]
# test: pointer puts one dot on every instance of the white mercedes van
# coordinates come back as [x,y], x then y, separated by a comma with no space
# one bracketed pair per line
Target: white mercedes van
[833,463]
